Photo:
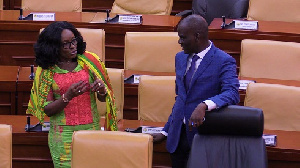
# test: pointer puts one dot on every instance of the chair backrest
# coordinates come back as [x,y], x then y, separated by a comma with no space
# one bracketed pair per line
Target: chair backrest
[95,41]
[270,59]
[156,97]
[151,51]
[5,146]
[153,7]
[52,5]
[111,149]
[274,10]
[1,4]
[210,9]
[280,104]
[230,137]
[116,77]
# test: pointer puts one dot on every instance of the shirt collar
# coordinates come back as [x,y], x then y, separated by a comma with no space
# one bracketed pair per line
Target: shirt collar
[204,52]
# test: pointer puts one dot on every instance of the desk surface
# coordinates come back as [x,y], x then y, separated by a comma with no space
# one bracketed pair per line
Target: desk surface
[9,73]
[7,16]
[269,27]
[287,150]
[8,79]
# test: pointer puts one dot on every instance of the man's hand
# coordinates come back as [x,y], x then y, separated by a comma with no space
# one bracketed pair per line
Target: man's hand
[197,116]
[158,137]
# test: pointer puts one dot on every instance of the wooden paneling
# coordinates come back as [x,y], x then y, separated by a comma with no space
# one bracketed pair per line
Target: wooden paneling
[97,5]
[18,54]
[8,79]
[181,5]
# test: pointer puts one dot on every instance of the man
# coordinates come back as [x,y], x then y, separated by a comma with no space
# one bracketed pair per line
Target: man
[206,79]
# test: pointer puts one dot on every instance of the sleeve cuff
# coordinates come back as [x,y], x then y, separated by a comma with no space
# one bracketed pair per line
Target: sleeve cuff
[164,133]
[210,105]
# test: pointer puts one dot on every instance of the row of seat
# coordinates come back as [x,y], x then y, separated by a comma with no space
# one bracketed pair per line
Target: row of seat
[5,146]
[146,50]
[260,60]
[156,96]
[268,10]
[156,7]
[131,150]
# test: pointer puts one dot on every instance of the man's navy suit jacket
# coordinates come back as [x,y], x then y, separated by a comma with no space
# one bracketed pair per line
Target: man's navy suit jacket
[215,79]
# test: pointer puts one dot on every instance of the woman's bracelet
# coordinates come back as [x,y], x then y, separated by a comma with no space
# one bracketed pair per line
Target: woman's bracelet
[65,100]
[102,94]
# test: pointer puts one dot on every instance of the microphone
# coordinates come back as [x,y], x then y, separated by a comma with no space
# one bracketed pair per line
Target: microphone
[28,123]
[107,15]
[31,76]
[21,15]
[223,23]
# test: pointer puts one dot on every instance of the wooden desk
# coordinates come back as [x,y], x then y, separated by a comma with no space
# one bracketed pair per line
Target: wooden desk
[18,37]
[230,40]
[102,5]
[8,79]
[30,149]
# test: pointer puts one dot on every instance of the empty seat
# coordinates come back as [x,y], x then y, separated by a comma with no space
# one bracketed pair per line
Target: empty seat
[153,7]
[151,51]
[274,10]
[116,77]
[5,146]
[1,4]
[210,9]
[52,5]
[111,149]
[280,104]
[156,97]
[230,137]
[270,59]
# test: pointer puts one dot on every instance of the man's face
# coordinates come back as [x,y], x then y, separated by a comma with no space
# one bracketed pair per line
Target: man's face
[187,39]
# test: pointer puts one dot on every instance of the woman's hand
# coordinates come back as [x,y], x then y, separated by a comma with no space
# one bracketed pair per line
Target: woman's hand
[76,89]
[98,86]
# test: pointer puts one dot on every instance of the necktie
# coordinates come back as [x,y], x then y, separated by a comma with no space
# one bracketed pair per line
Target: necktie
[189,74]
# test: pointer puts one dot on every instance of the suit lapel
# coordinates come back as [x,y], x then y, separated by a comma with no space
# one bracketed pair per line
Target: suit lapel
[207,59]
[182,63]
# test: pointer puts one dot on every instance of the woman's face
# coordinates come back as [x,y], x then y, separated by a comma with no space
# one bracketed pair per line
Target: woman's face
[69,45]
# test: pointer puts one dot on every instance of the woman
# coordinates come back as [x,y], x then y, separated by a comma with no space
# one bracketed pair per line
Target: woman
[64,88]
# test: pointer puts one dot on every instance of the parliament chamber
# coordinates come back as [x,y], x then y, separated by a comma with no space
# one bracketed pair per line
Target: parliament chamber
[30,149]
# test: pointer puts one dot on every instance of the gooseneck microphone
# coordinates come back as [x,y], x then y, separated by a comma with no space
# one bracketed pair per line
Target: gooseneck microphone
[21,14]
[223,23]
[31,76]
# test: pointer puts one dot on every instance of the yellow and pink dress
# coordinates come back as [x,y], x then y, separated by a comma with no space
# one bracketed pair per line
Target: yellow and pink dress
[80,113]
